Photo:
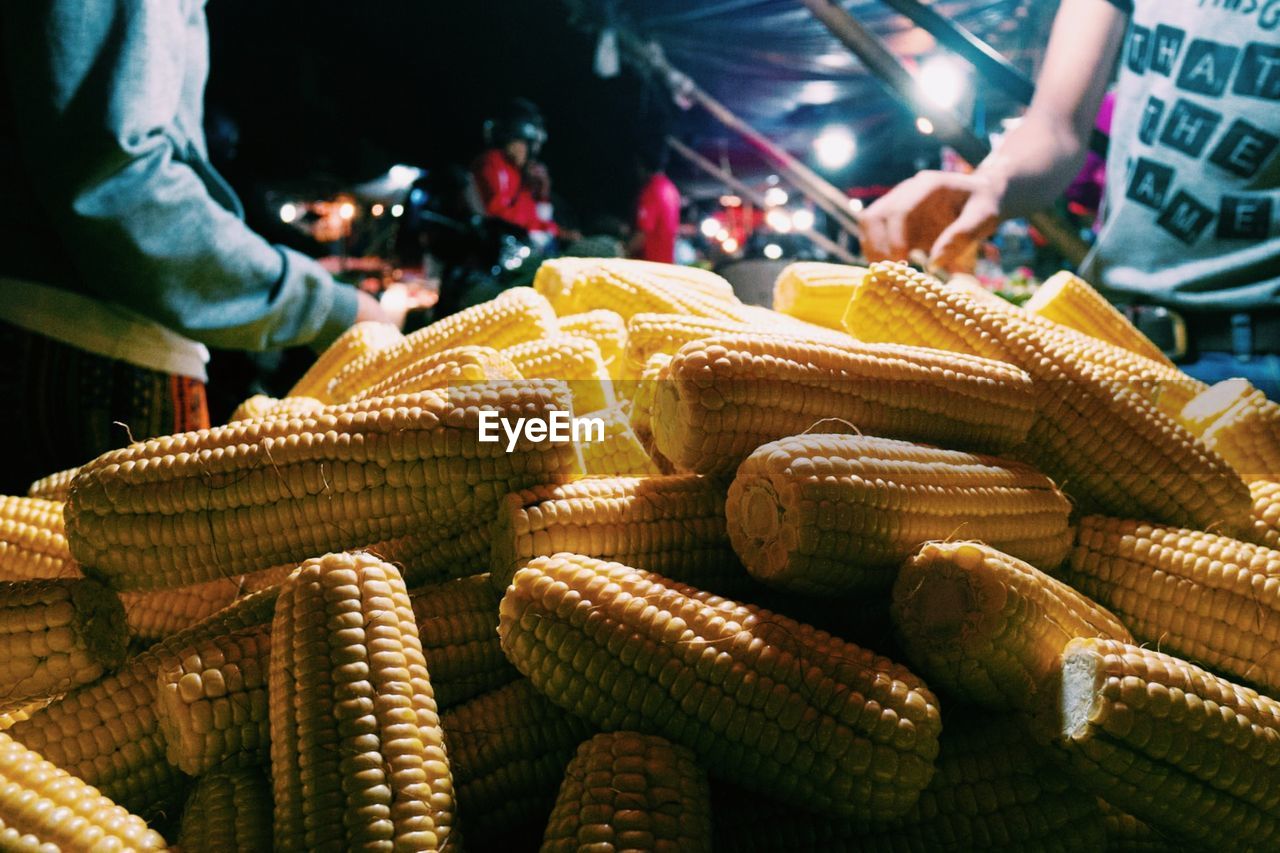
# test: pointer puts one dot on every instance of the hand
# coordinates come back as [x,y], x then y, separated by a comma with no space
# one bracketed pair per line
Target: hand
[944,212]
[369,310]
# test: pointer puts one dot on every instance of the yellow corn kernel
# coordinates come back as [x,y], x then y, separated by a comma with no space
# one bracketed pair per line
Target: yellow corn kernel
[357,754]
[1096,431]
[606,328]
[1213,402]
[443,369]
[643,392]
[426,557]
[775,705]
[987,627]
[54,487]
[1202,596]
[839,513]
[56,635]
[721,398]
[458,626]
[630,791]
[670,525]
[229,811]
[188,508]
[359,342]
[618,452]
[575,361]
[515,316]
[43,807]
[508,749]
[1266,513]
[1247,435]
[627,287]
[261,406]
[816,293]
[1191,754]
[33,542]
[1069,301]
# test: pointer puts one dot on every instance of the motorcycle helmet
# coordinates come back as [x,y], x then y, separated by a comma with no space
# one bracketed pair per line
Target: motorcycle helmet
[518,119]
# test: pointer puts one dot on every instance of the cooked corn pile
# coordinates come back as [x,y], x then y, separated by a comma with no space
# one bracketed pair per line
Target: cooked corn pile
[346,621]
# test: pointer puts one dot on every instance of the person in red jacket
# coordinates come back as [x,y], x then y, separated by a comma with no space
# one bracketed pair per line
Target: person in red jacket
[657,211]
[511,182]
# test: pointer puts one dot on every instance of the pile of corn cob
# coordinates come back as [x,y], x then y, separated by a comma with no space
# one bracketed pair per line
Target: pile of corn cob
[344,621]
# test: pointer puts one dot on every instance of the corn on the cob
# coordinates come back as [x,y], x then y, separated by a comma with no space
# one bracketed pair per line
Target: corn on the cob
[993,791]
[1069,301]
[425,557]
[33,542]
[188,508]
[212,702]
[156,614]
[575,361]
[1213,402]
[361,341]
[1266,513]
[987,627]
[664,334]
[56,635]
[43,807]
[629,650]
[107,733]
[54,487]
[1127,834]
[1190,753]
[228,811]
[576,285]
[816,293]
[516,316]
[643,392]
[631,791]
[839,513]
[454,366]
[508,749]
[606,328]
[619,453]
[458,626]
[673,526]
[261,406]
[1095,433]
[1247,435]
[1204,597]
[357,753]
[721,398]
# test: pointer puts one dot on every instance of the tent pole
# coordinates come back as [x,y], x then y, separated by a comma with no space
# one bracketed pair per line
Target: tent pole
[876,56]
[819,239]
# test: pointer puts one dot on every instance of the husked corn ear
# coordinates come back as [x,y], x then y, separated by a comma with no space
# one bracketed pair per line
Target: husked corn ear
[670,525]
[1190,753]
[357,753]
[1127,834]
[1266,513]
[664,334]
[1068,300]
[54,487]
[605,327]
[458,626]
[616,452]
[816,293]
[8,719]
[517,315]
[1247,435]
[458,365]
[33,542]
[508,749]
[575,361]
[839,513]
[156,614]
[721,398]
[359,342]
[1204,597]
[212,702]
[1213,402]
[631,791]
[1095,431]
[192,507]
[426,557]
[987,627]
[777,706]
[262,406]
[644,391]
[229,811]
[107,733]
[43,807]
[994,790]
[627,287]
[56,635]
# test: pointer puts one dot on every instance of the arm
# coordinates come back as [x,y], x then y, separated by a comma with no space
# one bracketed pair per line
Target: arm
[100,87]
[949,212]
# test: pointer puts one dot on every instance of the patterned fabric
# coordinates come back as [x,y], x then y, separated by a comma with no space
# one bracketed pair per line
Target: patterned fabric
[61,406]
